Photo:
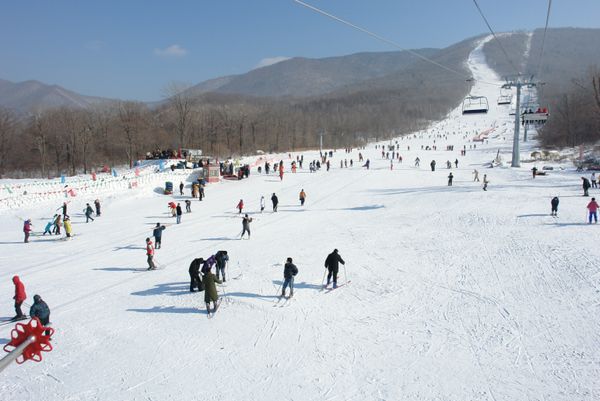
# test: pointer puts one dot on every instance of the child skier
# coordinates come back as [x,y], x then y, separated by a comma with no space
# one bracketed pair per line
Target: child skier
[179,212]
[554,204]
[19,298]
[593,208]
[68,229]
[150,254]
[27,229]
[240,206]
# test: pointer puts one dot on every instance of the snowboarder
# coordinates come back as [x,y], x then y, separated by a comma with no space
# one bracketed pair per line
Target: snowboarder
[432,164]
[97,205]
[475,175]
[40,310]
[485,182]
[157,233]
[302,197]
[275,201]
[554,204]
[586,186]
[179,213]
[27,229]
[240,206]
[332,264]
[210,291]
[450,178]
[19,297]
[221,258]
[68,227]
[150,254]
[194,271]
[593,209]
[181,186]
[88,213]
[188,206]
[289,272]
[246,226]
[262,203]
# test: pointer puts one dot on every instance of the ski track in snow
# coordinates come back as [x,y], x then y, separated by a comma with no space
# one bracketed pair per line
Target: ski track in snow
[456,293]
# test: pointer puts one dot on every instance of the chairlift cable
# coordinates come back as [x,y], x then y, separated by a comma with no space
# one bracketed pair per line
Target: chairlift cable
[496,38]
[388,41]
[539,69]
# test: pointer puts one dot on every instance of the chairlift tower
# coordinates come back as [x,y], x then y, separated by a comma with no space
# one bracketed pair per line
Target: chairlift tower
[518,82]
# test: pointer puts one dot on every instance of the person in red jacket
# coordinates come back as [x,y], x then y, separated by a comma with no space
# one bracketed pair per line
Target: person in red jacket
[27,229]
[593,208]
[240,206]
[19,297]
[150,254]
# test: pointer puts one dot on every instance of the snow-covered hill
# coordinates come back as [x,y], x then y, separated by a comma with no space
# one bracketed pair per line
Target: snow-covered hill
[456,293]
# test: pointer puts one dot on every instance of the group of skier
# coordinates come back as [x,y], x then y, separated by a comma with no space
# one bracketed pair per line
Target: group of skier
[209,280]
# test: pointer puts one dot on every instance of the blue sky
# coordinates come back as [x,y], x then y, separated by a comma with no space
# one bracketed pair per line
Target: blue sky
[131,49]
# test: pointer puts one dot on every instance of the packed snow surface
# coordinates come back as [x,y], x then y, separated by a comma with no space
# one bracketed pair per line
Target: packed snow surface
[456,293]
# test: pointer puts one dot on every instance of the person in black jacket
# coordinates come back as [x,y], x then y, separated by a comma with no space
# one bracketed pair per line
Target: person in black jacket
[195,274]
[275,201]
[40,310]
[289,271]
[332,264]
[179,212]
[157,233]
[554,204]
[586,185]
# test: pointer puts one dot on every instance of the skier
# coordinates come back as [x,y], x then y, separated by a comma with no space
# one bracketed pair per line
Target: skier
[210,291]
[417,161]
[157,233]
[68,228]
[27,229]
[332,264]
[450,178]
[534,171]
[57,224]
[181,186]
[49,226]
[367,163]
[19,298]
[201,194]
[586,186]
[88,213]
[97,205]
[593,208]
[208,264]
[289,271]
[150,254]
[173,209]
[475,175]
[593,180]
[448,164]
[485,182]
[40,310]
[456,163]
[267,167]
[179,213]
[302,197]
[64,209]
[194,271]
[554,204]
[275,201]
[240,206]
[328,165]
[246,226]
[222,258]
[262,203]
[432,164]
[188,206]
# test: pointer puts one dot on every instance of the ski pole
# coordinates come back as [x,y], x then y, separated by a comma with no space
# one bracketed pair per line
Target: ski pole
[323,279]
[345,274]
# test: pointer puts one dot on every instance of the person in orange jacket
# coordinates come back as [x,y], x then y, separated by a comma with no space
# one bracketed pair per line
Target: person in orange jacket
[302,197]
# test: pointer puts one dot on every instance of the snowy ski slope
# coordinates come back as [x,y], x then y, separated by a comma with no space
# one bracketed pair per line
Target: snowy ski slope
[456,293]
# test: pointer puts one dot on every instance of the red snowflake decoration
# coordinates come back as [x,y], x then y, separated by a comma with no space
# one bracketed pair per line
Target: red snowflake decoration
[40,344]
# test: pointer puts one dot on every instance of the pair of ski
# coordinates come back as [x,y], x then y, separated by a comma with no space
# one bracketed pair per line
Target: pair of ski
[327,290]
[5,322]
[210,315]
[286,301]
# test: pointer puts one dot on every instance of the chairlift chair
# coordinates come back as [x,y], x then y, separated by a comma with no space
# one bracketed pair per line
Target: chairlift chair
[475,104]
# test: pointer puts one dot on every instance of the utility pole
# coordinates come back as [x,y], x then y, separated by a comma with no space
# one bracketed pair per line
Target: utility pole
[518,82]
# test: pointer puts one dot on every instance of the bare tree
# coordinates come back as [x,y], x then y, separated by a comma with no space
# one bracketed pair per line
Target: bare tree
[131,120]
[8,130]
[181,102]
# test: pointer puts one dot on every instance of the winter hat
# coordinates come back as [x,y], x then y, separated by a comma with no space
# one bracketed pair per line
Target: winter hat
[157,224]
[37,298]
[147,239]
[335,251]
[289,260]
